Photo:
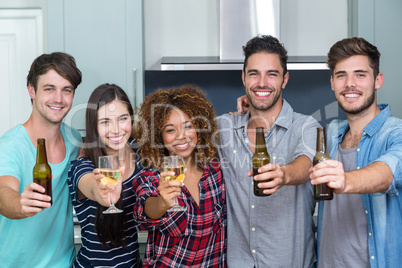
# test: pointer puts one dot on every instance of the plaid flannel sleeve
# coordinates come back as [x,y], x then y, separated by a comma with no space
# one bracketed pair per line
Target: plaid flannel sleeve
[145,186]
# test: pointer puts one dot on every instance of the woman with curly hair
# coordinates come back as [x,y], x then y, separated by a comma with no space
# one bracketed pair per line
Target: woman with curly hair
[180,121]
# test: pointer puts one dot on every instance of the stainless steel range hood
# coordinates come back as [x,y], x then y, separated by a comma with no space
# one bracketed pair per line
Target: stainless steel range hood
[241,20]
[214,63]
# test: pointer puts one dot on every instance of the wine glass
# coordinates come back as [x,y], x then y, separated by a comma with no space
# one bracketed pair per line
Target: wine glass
[174,163]
[110,168]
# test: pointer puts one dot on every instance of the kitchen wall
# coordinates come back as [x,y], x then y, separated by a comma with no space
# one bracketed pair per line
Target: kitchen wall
[381,23]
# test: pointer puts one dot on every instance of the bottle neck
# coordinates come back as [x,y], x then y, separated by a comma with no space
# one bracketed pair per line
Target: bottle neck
[321,142]
[41,152]
[260,146]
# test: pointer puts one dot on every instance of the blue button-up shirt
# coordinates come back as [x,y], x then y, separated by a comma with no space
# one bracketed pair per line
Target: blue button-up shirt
[381,141]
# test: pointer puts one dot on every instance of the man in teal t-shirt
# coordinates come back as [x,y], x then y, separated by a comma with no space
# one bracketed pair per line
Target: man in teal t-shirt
[34,233]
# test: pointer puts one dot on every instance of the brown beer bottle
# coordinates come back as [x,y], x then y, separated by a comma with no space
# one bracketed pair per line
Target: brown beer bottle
[321,191]
[42,173]
[260,158]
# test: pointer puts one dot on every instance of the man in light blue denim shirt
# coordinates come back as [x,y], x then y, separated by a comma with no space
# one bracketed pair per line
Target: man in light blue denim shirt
[362,225]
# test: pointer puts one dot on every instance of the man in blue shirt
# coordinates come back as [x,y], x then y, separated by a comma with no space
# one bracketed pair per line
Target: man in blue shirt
[361,226]
[34,233]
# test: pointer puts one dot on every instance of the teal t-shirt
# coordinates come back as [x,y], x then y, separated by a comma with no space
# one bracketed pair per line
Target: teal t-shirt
[46,239]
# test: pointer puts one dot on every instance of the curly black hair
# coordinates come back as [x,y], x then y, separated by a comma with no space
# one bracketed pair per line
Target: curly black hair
[156,109]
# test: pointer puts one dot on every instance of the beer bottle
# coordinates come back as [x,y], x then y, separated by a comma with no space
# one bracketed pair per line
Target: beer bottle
[321,191]
[42,173]
[260,158]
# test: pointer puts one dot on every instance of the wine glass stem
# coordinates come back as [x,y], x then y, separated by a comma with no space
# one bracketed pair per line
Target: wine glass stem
[111,201]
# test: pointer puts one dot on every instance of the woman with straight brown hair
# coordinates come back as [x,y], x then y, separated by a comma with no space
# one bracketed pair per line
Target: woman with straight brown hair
[108,240]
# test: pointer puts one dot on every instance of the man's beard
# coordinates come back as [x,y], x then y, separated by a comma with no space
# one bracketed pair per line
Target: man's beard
[264,106]
[360,109]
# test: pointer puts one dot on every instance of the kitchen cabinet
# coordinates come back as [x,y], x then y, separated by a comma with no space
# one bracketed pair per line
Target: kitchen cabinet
[21,40]
[105,37]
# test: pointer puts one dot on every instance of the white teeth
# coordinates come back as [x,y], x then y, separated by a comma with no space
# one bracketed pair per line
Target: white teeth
[351,95]
[181,145]
[262,93]
[55,108]
[116,139]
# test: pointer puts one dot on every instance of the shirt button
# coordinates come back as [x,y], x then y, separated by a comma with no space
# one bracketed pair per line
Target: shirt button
[253,251]
[252,206]
[246,140]
[369,234]
[358,168]
[372,257]
[358,149]
[234,151]
[366,211]
[253,229]
[274,157]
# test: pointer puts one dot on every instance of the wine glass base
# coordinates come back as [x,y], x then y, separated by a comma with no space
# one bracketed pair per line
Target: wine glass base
[177,208]
[112,210]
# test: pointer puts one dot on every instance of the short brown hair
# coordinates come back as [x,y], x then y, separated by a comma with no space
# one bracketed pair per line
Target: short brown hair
[62,63]
[351,47]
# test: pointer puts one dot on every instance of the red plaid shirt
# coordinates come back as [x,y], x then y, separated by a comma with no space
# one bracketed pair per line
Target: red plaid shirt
[193,238]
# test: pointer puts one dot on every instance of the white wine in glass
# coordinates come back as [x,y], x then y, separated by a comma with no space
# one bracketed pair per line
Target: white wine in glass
[110,168]
[179,173]
[174,163]
[112,177]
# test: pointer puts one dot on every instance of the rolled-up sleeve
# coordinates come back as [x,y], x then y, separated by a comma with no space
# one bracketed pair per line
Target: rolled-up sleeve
[393,158]
[308,141]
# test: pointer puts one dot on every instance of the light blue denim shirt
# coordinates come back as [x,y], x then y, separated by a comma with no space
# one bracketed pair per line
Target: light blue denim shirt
[381,141]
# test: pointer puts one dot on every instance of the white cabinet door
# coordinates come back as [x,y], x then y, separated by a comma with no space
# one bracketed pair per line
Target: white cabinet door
[21,41]
[105,38]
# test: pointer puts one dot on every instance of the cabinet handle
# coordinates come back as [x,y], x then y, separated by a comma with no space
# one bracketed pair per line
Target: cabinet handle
[135,108]
[135,87]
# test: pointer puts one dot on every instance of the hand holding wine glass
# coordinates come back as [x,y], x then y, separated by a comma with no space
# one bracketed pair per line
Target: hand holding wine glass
[174,164]
[110,168]
[168,189]
[106,192]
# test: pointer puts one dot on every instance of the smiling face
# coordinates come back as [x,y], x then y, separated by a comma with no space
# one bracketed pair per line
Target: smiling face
[354,84]
[53,97]
[114,126]
[264,80]
[178,134]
